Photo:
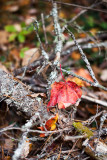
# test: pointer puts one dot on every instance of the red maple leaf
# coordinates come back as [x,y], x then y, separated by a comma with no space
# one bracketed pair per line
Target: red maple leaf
[64,94]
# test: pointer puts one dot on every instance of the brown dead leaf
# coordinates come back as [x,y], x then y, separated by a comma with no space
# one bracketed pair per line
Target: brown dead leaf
[75,55]
[94,31]
[28,19]
[32,55]
[4,37]
[78,81]
[82,35]
[95,49]
[50,28]
[62,14]
[37,94]
[24,3]
[11,8]
[104,75]
[7,158]
[83,73]
[3,68]
[8,145]
[14,56]
[92,109]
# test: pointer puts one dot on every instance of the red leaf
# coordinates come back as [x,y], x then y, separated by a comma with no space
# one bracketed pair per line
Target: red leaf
[42,129]
[50,125]
[64,93]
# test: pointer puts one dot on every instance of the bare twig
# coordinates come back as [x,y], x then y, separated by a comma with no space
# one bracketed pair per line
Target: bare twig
[79,14]
[83,57]
[44,29]
[83,46]
[100,102]
[91,119]
[71,138]
[20,152]
[84,79]
[36,28]
[58,41]
[102,119]
[76,5]
[33,131]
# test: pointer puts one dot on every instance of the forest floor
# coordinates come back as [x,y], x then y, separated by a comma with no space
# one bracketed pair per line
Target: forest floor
[53,85]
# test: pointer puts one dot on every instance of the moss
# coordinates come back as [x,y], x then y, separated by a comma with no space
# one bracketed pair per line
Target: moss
[83,129]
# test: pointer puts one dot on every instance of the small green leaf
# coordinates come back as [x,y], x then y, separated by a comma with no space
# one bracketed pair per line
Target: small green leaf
[38,44]
[12,37]
[21,38]
[30,28]
[23,25]
[24,49]
[104,25]
[22,52]
[10,28]
[2,58]
[90,21]
[24,32]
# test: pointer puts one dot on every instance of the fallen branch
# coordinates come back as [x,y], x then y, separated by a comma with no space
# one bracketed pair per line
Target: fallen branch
[24,145]
[97,150]
[16,94]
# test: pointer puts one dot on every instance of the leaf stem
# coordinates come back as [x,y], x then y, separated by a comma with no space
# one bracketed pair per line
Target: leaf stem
[62,74]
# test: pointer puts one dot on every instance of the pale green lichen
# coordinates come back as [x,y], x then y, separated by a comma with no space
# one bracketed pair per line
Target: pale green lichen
[83,129]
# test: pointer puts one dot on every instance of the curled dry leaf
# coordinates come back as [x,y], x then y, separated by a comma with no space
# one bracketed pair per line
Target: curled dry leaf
[34,95]
[83,73]
[50,125]
[78,81]
[3,37]
[30,56]
[64,94]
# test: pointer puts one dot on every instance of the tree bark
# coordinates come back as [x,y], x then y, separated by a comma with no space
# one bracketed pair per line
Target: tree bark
[17,95]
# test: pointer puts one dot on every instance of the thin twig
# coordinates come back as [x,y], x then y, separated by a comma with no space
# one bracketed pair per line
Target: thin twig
[82,78]
[36,28]
[83,57]
[58,46]
[44,29]
[33,131]
[76,5]
[100,102]
[71,138]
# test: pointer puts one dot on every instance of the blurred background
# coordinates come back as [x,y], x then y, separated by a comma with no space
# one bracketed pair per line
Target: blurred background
[17,34]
